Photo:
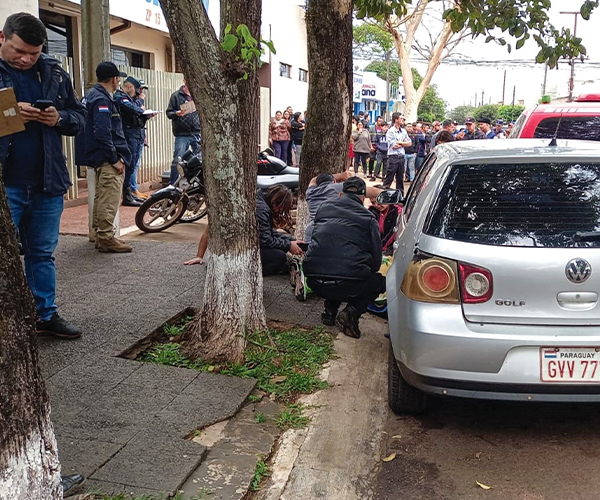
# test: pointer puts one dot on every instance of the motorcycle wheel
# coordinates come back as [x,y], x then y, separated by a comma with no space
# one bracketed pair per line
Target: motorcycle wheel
[196,208]
[159,212]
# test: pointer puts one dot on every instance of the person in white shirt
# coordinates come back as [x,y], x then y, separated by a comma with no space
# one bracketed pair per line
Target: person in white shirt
[397,140]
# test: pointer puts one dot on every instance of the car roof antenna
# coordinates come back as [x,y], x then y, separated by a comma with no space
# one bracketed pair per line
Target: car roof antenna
[553,141]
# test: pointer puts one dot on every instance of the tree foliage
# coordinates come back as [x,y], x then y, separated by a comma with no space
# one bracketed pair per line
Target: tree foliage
[489,111]
[432,106]
[460,113]
[493,112]
[509,113]
[520,20]
[372,39]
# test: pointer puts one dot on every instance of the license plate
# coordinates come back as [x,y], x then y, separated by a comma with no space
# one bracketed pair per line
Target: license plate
[567,364]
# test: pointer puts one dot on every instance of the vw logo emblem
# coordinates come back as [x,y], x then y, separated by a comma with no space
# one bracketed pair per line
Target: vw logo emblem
[578,270]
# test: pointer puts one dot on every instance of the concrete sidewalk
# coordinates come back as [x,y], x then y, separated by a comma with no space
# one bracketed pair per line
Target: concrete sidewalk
[122,422]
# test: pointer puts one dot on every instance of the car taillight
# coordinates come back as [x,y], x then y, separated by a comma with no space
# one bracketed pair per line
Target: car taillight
[431,279]
[476,284]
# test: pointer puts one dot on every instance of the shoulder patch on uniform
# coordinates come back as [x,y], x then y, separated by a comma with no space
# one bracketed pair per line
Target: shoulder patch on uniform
[103,109]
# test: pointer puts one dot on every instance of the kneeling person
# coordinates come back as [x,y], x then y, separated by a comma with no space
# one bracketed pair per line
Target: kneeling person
[344,257]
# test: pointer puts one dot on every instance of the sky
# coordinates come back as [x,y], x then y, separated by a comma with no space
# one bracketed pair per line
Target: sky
[458,84]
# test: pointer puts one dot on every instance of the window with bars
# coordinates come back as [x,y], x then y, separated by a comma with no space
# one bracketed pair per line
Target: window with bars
[303,75]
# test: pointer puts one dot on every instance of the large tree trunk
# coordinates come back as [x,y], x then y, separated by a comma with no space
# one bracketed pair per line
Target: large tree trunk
[228,107]
[29,467]
[325,144]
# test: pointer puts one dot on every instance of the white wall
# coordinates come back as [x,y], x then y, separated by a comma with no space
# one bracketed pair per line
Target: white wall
[8,7]
[143,39]
[285,21]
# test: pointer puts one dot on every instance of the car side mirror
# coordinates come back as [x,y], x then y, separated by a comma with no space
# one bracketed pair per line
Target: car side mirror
[390,197]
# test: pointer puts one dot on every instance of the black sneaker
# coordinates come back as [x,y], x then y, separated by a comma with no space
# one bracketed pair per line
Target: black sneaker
[349,322]
[58,327]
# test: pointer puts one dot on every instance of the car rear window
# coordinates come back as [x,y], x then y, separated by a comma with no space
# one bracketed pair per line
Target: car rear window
[526,205]
[571,127]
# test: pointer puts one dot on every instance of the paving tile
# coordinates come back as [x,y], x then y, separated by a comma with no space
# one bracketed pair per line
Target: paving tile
[153,461]
[208,399]
[84,456]
[110,488]
[118,415]
[159,377]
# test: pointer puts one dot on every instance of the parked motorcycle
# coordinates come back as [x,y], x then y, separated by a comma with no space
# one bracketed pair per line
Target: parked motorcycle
[184,201]
[272,170]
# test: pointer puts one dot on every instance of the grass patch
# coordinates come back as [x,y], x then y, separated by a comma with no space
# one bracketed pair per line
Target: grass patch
[260,473]
[292,417]
[285,363]
[260,418]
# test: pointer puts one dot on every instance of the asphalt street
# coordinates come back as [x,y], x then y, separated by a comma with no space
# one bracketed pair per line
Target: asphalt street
[524,451]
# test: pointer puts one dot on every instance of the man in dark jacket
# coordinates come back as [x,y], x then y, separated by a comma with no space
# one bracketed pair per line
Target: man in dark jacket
[134,121]
[33,165]
[107,152]
[344,257]
[186,126]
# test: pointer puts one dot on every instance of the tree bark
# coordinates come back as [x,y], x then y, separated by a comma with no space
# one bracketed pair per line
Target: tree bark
[29,465]
[228,107]
[327,136]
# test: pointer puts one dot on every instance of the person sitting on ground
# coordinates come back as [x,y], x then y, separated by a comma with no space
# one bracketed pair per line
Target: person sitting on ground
[327,187]
[273,211]
[202,246]
[344,257]
[387,218]
[444,136]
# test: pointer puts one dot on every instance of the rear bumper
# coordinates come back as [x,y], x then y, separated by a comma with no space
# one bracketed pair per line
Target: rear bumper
[500,391]
[439,352]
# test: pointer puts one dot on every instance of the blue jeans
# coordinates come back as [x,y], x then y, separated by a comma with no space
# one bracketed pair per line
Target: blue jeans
[281,150]
[182,143]
[410,166]
[134,184]
[135,145]
[37,217]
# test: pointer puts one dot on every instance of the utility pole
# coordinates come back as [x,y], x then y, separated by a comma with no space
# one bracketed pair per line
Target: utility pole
[572,61]
[387,85]
[512,110]
[95,37]
[482,97]
[503,87]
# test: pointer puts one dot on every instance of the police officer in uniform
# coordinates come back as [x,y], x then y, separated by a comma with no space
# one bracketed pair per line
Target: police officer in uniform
[107,152]
[134,121]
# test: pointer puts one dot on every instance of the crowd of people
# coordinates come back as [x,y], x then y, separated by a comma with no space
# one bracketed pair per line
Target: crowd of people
[286,133]
[396,150]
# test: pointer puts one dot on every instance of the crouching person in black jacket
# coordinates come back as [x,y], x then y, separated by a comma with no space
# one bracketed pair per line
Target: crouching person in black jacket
[344,257]
[273,210]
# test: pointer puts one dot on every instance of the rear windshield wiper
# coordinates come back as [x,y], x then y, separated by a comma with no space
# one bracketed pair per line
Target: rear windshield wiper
[587,236]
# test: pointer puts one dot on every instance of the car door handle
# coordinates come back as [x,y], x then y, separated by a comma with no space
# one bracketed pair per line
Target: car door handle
[577,301]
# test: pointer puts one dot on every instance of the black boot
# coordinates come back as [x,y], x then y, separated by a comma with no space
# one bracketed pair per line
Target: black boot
[129,200]
[328,317]
[58,327]
[348,319]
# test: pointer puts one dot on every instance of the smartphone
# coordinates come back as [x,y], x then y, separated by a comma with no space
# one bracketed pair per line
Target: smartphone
[303,246]
[42,104]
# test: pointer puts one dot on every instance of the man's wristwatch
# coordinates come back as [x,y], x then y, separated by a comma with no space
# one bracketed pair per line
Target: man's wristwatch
[59,121]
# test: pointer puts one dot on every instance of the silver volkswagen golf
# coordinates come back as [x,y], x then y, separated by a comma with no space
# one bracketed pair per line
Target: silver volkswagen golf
[493,292]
